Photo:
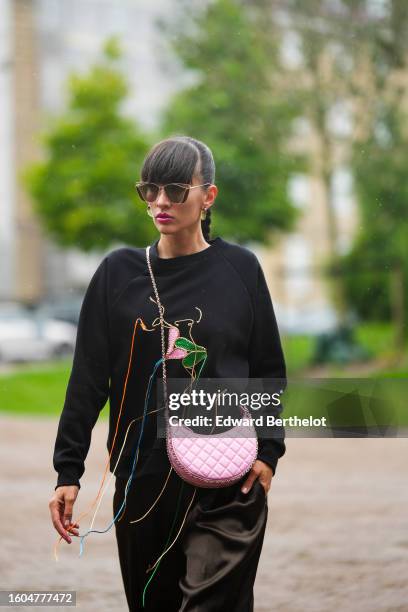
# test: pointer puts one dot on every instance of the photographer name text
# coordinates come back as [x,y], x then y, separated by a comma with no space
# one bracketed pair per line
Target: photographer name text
[259,421]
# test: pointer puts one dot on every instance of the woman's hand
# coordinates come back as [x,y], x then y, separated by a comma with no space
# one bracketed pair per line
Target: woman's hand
[263,472]
[61,505]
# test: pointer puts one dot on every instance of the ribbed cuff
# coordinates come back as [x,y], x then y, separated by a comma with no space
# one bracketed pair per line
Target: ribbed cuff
[270,452]
[66,480]
[267,459]
[67,484]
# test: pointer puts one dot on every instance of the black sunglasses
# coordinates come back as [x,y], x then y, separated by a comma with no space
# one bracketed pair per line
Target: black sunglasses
[176,192]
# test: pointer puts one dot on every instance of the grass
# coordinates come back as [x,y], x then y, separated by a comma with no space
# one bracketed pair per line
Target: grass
[298,351]
[36,389]
[376,337]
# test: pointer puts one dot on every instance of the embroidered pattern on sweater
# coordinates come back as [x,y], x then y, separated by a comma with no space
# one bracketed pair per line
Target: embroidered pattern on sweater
[180,347]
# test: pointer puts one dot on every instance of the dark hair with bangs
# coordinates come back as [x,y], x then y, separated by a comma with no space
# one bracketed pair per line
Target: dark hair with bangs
[177,160]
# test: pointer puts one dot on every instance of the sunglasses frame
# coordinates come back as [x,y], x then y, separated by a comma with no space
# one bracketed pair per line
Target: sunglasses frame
[185,185]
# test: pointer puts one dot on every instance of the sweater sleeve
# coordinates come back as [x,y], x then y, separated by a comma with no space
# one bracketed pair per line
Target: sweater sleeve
[88,386]
[266,361]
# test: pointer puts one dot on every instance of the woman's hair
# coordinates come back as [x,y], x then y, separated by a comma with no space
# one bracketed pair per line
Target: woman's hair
[177,160]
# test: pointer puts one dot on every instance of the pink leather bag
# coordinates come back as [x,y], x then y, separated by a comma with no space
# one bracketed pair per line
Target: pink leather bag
[215,460]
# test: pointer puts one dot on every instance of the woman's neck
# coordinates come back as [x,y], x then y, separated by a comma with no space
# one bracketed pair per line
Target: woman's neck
[173,245]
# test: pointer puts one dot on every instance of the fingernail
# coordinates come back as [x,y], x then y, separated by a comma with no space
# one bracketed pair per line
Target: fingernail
[66,522]
[244,489]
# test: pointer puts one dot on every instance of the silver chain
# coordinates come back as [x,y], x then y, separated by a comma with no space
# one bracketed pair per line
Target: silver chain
[161,325]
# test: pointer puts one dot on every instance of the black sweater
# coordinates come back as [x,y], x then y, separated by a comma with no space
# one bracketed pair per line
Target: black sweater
[237,327]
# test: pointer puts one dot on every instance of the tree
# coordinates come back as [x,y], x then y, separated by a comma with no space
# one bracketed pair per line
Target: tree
[84,190]
[324,82]
[236,106]
[355,54]
[379,163]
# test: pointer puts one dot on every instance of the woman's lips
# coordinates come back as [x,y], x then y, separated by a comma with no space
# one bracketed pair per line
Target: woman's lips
[164,219]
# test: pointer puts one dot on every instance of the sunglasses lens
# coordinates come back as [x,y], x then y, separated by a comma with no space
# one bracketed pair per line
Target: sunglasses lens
[148,192]
[175,193]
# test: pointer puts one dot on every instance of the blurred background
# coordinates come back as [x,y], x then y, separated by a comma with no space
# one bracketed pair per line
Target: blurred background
[304,105]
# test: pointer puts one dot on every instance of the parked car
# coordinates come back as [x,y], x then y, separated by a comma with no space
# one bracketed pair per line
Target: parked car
[30,336]
[63,308]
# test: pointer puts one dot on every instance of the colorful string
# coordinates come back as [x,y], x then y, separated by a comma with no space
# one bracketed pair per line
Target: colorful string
[178,347]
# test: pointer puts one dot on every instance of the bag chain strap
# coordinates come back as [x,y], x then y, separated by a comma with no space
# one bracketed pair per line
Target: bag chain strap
[161,326]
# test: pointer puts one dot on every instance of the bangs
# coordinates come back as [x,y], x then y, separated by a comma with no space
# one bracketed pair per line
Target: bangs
[170,161]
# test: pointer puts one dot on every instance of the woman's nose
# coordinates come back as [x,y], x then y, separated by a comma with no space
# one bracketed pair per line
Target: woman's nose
[162,196]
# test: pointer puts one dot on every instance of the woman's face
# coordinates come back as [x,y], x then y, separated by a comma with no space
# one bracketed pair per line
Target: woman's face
[186,215]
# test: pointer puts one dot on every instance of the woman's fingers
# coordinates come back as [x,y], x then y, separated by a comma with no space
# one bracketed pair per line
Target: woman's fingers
[249,482]
[260,470]
[54,506]
[74,529]
[61,506]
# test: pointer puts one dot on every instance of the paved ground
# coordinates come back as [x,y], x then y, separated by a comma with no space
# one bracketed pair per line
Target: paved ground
[337,536]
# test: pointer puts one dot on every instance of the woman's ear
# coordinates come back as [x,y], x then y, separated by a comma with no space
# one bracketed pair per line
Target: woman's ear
[210,195]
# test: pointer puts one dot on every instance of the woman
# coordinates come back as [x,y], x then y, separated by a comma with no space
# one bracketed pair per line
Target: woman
[177,551]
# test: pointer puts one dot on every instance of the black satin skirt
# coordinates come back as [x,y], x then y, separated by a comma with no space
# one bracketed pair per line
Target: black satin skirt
[215,544]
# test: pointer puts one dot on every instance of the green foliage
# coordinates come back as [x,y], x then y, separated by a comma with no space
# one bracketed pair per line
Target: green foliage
[382,187]
[239,110]
[112,48]
[298,351]
[83,191]
[366,290]
[378,286]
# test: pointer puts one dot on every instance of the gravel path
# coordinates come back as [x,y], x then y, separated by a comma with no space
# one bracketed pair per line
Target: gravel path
[337,535]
